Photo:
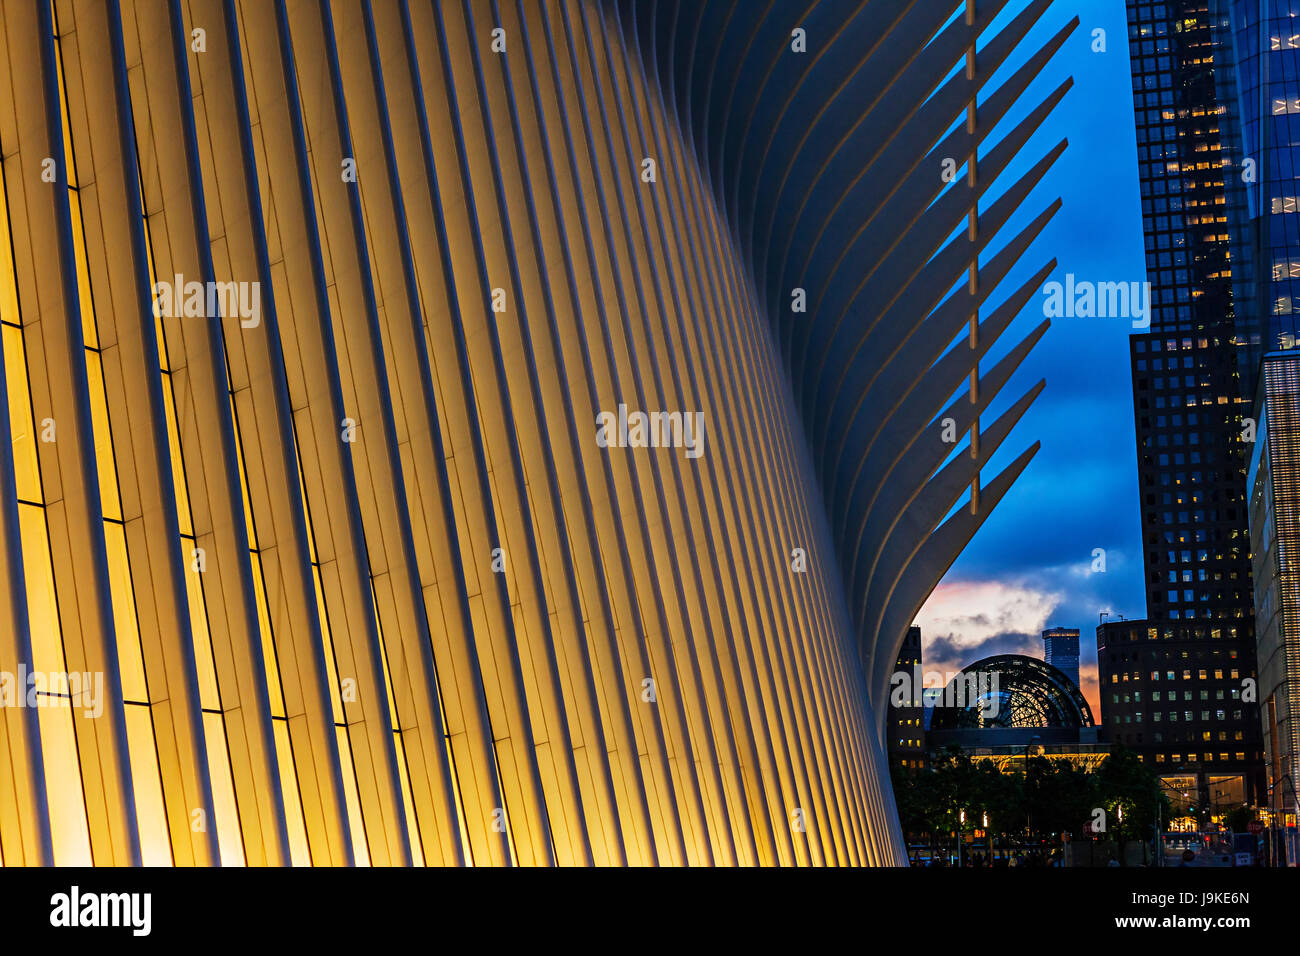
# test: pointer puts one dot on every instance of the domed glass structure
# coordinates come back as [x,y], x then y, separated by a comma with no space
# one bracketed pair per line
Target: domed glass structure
[1010,690]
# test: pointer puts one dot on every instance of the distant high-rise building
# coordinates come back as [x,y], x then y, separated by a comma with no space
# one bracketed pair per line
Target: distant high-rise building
[905,734]
[1159,691]
[1061,650]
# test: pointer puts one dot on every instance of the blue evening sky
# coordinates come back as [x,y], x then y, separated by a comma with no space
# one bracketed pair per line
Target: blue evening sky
[1030,566]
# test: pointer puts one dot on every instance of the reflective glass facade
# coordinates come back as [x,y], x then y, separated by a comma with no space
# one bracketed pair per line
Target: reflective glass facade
[1260,83]
[1061,650]
[1275,542]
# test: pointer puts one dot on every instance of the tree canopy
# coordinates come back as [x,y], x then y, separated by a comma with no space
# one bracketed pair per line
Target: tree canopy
[1034,797]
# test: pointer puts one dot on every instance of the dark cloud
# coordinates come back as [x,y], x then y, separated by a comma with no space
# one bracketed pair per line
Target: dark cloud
[949,652]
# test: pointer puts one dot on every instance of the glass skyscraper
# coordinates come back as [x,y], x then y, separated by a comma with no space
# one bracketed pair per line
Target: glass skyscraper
[1061,650]
[1259,82]
[1171,686]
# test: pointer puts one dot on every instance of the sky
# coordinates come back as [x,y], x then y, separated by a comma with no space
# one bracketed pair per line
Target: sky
[1031,565]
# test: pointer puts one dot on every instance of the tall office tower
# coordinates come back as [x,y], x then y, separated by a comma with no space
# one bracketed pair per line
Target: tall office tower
[1187,400]
[1188,404]
[1061,650]
[1259,57]
[905,736]
[490,431]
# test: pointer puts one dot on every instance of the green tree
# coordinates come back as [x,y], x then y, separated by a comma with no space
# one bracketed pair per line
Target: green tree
[1239,819]
[1054,796]
[1131,794]
[1067,797]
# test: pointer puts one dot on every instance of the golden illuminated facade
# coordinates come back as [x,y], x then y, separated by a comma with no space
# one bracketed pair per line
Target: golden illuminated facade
[312,314]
